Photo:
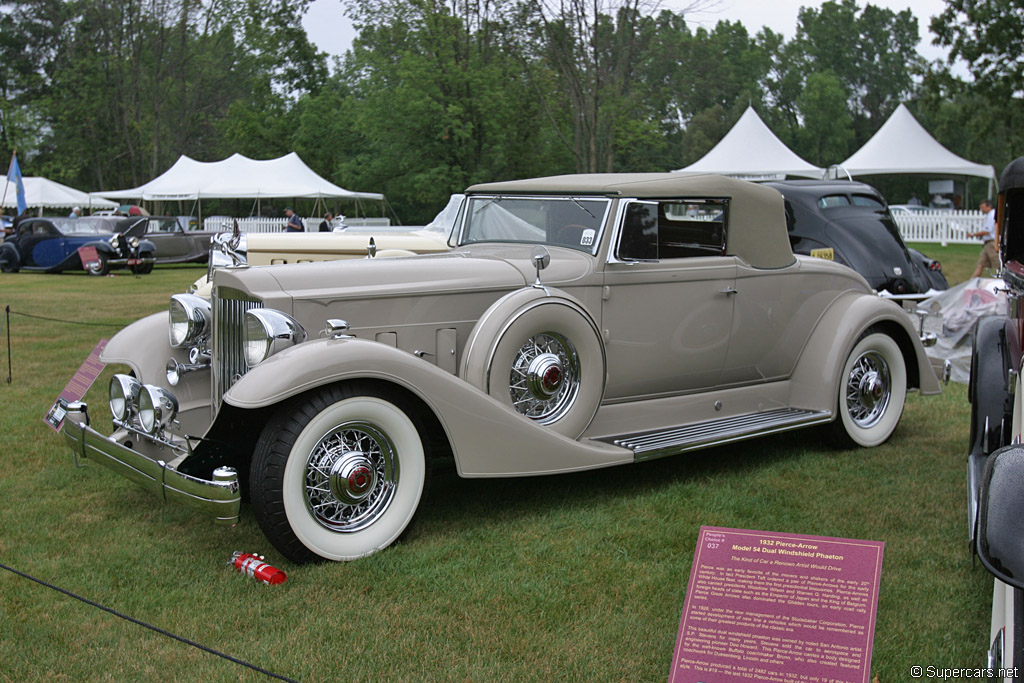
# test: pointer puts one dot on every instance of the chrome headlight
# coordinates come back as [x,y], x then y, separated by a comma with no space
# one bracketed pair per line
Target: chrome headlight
[157,408]
[190,319]
[124,394]
[268,331]
[133,242]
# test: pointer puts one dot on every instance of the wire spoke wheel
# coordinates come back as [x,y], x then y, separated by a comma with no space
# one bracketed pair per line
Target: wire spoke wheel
[351,476]
[545,377]
[871,393]
[339,474]
[868,389]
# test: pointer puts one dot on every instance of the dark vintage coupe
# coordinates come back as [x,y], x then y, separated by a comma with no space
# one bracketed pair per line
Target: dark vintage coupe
[850,223]
[51,245]
[174,244]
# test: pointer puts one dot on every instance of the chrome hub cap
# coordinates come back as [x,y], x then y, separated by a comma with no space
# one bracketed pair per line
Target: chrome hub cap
[868,389]
[351,476]
[545,377]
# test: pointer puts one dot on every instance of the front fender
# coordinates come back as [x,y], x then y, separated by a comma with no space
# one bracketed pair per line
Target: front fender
[102,246]
[993,357]
[486,438]
[817,377]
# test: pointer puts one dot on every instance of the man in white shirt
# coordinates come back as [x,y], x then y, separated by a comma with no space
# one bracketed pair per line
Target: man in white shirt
[988,259]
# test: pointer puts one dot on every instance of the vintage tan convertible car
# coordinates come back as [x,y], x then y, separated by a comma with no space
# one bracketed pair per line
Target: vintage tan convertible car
[579,322]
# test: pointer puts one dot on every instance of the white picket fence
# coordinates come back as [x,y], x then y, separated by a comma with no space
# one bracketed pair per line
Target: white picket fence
[258,224]
[944,227]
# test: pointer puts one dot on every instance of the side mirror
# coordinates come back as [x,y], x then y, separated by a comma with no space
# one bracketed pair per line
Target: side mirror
[541,259]
[1000,537]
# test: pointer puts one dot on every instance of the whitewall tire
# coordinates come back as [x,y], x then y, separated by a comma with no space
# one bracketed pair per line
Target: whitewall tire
[340,475]
[872,391]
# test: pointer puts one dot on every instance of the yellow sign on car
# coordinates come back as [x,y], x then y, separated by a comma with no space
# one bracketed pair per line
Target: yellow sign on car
[827,254]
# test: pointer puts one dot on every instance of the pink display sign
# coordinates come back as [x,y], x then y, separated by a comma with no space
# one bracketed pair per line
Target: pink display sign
[779,608]
[88,256]
[76,387]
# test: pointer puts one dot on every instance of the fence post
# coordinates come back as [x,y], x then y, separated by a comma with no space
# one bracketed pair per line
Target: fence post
[7,324]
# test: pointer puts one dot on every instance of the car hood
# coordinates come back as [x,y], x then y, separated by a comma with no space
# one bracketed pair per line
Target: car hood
[477,269]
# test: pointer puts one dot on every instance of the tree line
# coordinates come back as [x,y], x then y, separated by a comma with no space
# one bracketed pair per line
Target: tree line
[438,94]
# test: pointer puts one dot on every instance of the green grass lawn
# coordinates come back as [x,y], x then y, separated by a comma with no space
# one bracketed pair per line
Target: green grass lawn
[958,260]
[576,577]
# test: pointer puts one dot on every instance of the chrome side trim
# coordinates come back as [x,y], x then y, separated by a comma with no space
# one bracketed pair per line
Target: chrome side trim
[660,443]
[219,498]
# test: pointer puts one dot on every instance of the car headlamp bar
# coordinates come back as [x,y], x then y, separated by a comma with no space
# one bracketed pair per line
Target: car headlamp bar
[124,396]
[190,319]
[267,332]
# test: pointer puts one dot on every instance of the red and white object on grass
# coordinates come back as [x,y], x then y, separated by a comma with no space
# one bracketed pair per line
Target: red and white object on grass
[254,566]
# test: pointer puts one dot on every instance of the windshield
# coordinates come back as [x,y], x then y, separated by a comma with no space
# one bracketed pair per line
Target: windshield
[573,222]
[87,225]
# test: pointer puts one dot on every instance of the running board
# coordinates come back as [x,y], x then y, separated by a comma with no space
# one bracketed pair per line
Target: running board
[659,443]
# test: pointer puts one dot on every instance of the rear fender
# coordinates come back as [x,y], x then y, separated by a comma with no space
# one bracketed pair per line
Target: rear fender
[817,377]
[487,439]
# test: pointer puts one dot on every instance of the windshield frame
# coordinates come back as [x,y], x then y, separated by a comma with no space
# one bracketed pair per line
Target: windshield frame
[597,221]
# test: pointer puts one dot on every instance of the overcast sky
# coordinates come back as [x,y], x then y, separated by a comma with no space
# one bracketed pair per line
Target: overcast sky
[332,32]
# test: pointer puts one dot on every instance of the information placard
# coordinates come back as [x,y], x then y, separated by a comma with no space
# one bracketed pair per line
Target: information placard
[777,607]
[76,387]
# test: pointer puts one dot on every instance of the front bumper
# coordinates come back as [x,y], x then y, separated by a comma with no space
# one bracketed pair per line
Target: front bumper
[128,261]
[218,498]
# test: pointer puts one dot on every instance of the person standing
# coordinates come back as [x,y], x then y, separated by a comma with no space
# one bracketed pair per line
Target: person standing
[75,212]
[327,224]
[294,223]
[988,258]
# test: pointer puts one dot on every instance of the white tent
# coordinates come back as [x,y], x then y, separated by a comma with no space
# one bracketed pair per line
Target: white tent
[750,150]
[45,193]
[902,145]
[239,177]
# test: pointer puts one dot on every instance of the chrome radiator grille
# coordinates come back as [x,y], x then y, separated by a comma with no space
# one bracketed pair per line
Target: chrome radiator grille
[228,362]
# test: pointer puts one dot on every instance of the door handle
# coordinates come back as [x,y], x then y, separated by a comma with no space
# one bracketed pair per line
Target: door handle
[728,290]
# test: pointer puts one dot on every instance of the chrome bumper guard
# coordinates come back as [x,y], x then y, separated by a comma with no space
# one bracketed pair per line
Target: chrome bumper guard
[218,498]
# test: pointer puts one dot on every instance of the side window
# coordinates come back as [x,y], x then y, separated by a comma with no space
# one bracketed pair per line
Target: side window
[671,229]
[865,200]
[831,200]
[639,239]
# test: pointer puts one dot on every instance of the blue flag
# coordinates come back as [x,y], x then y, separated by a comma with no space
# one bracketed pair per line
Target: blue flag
[14,176]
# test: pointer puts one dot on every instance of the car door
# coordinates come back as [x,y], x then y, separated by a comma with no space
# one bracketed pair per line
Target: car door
[668,299]
[168,238]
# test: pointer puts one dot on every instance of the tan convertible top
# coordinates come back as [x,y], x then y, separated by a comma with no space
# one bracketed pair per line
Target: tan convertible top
[757,217]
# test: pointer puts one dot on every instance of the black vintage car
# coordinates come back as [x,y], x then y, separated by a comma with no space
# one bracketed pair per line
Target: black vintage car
[52,245]
[174,242]
[850,223]
[995,461]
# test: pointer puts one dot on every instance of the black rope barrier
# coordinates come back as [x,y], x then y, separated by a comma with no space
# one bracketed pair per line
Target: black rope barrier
[7,325]
[157,629]
[118,325]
